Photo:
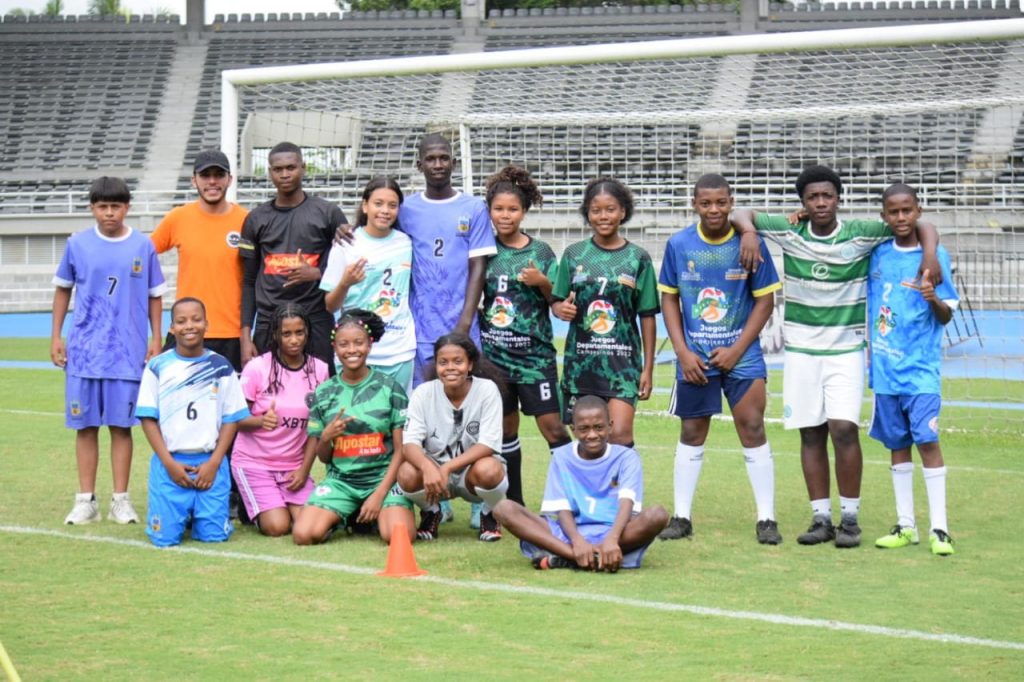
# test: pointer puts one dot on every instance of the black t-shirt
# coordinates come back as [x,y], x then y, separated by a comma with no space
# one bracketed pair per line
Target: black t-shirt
[272,238]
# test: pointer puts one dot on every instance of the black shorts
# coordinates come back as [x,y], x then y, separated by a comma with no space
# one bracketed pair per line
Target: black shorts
[229,348]
[535,399]
[569,401]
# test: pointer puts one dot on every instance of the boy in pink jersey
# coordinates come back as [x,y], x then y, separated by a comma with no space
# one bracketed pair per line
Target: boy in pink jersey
[272,454]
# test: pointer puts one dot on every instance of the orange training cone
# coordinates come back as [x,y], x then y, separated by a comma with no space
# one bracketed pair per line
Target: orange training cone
[401,561]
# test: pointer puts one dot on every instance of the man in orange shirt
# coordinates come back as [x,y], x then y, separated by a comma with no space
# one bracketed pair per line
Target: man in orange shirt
[206,234]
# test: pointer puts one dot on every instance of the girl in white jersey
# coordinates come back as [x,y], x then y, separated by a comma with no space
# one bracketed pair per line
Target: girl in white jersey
[373,273]
[452,437]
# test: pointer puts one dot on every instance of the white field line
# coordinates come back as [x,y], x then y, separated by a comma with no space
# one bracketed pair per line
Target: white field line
[708,611]
[671,448]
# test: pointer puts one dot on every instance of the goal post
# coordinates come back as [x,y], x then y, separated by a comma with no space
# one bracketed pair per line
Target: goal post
[940,106]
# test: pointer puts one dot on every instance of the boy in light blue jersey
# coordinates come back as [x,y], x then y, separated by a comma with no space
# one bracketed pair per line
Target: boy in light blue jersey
[118,285]
[593,515]
[714,311]
[451,240]
[906,315]
[190,402]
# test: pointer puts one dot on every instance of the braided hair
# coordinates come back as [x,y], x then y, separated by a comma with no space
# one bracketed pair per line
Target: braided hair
[289,311]
[369,322]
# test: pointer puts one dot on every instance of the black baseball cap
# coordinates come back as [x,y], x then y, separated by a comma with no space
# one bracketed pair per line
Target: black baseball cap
[211,158]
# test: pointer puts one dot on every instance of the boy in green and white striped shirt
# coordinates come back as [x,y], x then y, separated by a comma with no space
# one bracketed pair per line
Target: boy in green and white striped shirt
[825,271]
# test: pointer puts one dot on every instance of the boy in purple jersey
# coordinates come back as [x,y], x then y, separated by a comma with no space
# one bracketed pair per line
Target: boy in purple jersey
[593,517]
[119,287]
[714,311]
[451,241]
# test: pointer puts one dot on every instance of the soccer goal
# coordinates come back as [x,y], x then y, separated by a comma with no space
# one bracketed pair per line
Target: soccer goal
[939,106]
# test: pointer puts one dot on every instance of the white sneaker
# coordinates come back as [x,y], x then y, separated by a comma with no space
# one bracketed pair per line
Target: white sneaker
[86,510]
[121,509]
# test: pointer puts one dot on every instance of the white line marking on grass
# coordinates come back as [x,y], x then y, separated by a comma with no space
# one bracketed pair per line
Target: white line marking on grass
[772,618]
[34,413]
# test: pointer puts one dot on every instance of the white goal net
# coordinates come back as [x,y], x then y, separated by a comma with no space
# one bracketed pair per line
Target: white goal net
[938,106]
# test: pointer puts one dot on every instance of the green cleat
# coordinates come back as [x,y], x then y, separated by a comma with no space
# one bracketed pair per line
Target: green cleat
[899,536]
[942,544]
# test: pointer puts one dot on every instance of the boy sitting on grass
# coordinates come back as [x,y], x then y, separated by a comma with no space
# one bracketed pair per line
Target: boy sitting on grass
[592,502]
[190,403]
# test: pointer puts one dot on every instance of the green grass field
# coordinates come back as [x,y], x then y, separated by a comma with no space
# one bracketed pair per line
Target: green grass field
[96,602]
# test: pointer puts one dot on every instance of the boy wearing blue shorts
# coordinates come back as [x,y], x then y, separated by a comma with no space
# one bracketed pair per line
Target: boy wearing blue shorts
[119,287]
[906,315]
[593,515]
[714,311]
[190,403]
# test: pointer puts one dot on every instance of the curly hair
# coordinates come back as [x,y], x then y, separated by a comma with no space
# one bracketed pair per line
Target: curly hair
[517,181]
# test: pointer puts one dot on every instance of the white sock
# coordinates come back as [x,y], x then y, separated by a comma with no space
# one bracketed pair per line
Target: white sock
[689,460]
[822,507]
[761,472]
[903,487]
[849,507]
[419,498]
[935,484]
[493,496]
[119,496]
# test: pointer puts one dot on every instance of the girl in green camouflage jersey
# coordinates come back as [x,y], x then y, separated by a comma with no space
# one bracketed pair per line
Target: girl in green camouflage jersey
[602,286]
[358,417]
[515,328]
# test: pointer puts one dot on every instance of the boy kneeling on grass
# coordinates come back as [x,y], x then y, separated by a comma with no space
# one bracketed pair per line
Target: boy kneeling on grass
[593,515]
[190,403]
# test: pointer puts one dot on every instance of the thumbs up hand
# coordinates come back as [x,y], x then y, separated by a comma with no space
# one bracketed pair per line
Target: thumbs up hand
[927,288]
[565,310]
[531,275]
[270,419]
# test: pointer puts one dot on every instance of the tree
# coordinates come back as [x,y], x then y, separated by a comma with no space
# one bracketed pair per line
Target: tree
[20,12]
[105,8]
[54,8]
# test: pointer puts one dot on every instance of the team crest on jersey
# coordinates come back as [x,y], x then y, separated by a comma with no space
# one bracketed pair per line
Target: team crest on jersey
[502,312]
[76,408]
[886,320]
[615,482]
[388,301]
[848,251]
[600,317]
[137,265]
[627,280]
[154,523]
[579,275]
[712,305]
[463,224]
[214,389]
[233,238]
[691,274]
[820,270]
[473,429]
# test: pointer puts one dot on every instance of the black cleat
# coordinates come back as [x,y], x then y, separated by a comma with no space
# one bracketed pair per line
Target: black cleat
[676,529]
